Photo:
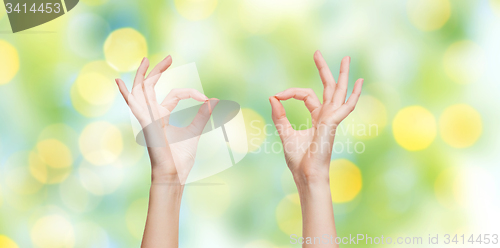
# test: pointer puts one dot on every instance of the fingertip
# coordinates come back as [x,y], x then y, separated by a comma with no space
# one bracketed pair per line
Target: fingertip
[168,59]
[346,59]
[317,55]
[273,100]
[214,102]
[144,62]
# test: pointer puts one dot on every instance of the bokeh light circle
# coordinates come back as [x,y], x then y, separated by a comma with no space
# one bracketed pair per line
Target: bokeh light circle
[460,125]
[94,91]
[345,180]
[414,128]
[464,62]
[195,10]
[428,15]
[54,153]
[9,62]
[101,143]
[63,133]
[6,242]
[76,197]
[289,215]
[124,49]
[100,180]
[45,173]
[255,126]
[53,231]
[368,120]
[18,177]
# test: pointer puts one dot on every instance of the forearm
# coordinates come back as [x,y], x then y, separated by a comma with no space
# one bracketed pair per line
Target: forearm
[317,213]
[162,224]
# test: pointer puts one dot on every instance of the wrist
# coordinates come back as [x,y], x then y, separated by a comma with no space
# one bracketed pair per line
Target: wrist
[307,175]
[313,189]
[311,181]
[165,178]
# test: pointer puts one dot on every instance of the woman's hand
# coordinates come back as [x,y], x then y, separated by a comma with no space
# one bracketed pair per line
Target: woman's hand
[308,152]
[171,162]
[171,149]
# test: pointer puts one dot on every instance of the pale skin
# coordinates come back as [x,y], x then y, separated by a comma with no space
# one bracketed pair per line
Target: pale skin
[308,152]
[170,163]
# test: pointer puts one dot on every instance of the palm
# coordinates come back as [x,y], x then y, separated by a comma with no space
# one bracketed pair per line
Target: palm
[299,141]
[306,151]
[172,149]
[183,151]
[297,145]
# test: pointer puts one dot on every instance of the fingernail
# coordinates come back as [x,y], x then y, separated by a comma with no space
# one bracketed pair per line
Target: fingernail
[278,93]
[349,59]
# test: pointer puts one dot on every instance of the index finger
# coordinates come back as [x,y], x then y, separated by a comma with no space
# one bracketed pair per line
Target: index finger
[175,95]
[141,72]
[161,67]
[306,95]
[326,77]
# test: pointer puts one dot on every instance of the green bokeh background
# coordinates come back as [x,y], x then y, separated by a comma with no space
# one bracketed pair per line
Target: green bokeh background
[246,51]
